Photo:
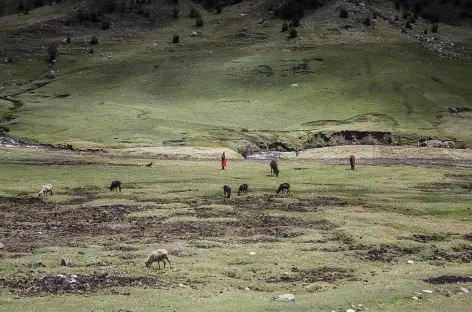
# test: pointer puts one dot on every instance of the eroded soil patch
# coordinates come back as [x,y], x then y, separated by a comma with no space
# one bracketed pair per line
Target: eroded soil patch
[449,279]
[33,286]
[461,253]
[384,253]
[424,238]
[324,274]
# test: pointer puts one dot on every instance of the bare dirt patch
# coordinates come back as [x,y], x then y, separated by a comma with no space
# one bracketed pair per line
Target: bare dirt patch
[384,253]
[449,279]
[324,274]
[28,222]
[468,236]
[424,238]
[460,253]
[33,286]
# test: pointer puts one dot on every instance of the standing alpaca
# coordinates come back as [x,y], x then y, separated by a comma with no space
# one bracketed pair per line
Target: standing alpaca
[352,161]
[274,168]
[227,191]
[115,185]
[45,189]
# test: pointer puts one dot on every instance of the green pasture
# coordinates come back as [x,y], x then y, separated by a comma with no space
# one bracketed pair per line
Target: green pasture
[206,95]
[372,206]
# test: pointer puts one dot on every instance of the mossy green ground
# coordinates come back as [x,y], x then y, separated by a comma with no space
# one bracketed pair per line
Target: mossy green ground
[146,91]
[371,206]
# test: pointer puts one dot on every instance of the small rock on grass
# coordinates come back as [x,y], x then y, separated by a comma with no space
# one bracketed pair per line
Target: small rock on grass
[411,262]
[415,298]
[2,246]
[285,297]
[427,291]
[350,310]
[464,290]
[65,261]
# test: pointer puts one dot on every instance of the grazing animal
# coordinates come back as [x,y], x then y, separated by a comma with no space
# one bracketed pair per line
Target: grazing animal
[352,161]
[227,191]
[45,189]
[243,189]
[284,187]
[158,256]
[115,186]
[149,165]
[274,168]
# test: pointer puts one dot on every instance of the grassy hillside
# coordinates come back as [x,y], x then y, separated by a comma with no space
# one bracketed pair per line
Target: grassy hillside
[204,90]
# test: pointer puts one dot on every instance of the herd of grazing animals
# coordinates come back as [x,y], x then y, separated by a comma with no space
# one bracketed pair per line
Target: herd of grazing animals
[160,255]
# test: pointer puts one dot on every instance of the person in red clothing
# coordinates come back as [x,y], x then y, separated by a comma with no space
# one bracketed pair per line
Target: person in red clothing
[223,161]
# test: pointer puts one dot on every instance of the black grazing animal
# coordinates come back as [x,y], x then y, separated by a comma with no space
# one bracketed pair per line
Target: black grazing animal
[284,187]
[242,189]
[149,165]
[274,168]
[227,191]
[115,186]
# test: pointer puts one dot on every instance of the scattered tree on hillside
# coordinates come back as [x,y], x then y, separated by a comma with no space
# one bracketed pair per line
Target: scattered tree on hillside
[94,40]
[434,29]
[292,33]
[295,21]
[366,21]
[284,27]
[175,11]
[52,52]
[343,13]
[2,7]
[21,6]
[175,39]
[199,21]
[219,7]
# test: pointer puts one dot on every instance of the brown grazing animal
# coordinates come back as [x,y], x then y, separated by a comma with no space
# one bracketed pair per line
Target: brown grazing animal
[274,168]
[227,191]
[352,161]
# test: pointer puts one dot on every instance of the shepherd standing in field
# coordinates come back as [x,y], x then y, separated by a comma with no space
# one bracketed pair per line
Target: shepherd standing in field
[223,161]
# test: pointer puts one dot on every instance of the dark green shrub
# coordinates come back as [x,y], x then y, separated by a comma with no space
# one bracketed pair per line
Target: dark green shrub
[199,21]
[292,33]
[68,40]
[194,13]
[397,6]
[21,6]
[425,31]
[218,7]
[52,52]
[94,40]
[106,25]
[175,12]
[284,27]
[396,18]
[435,27]
[343,13]
[175,39]
[295,21]
[366,21]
